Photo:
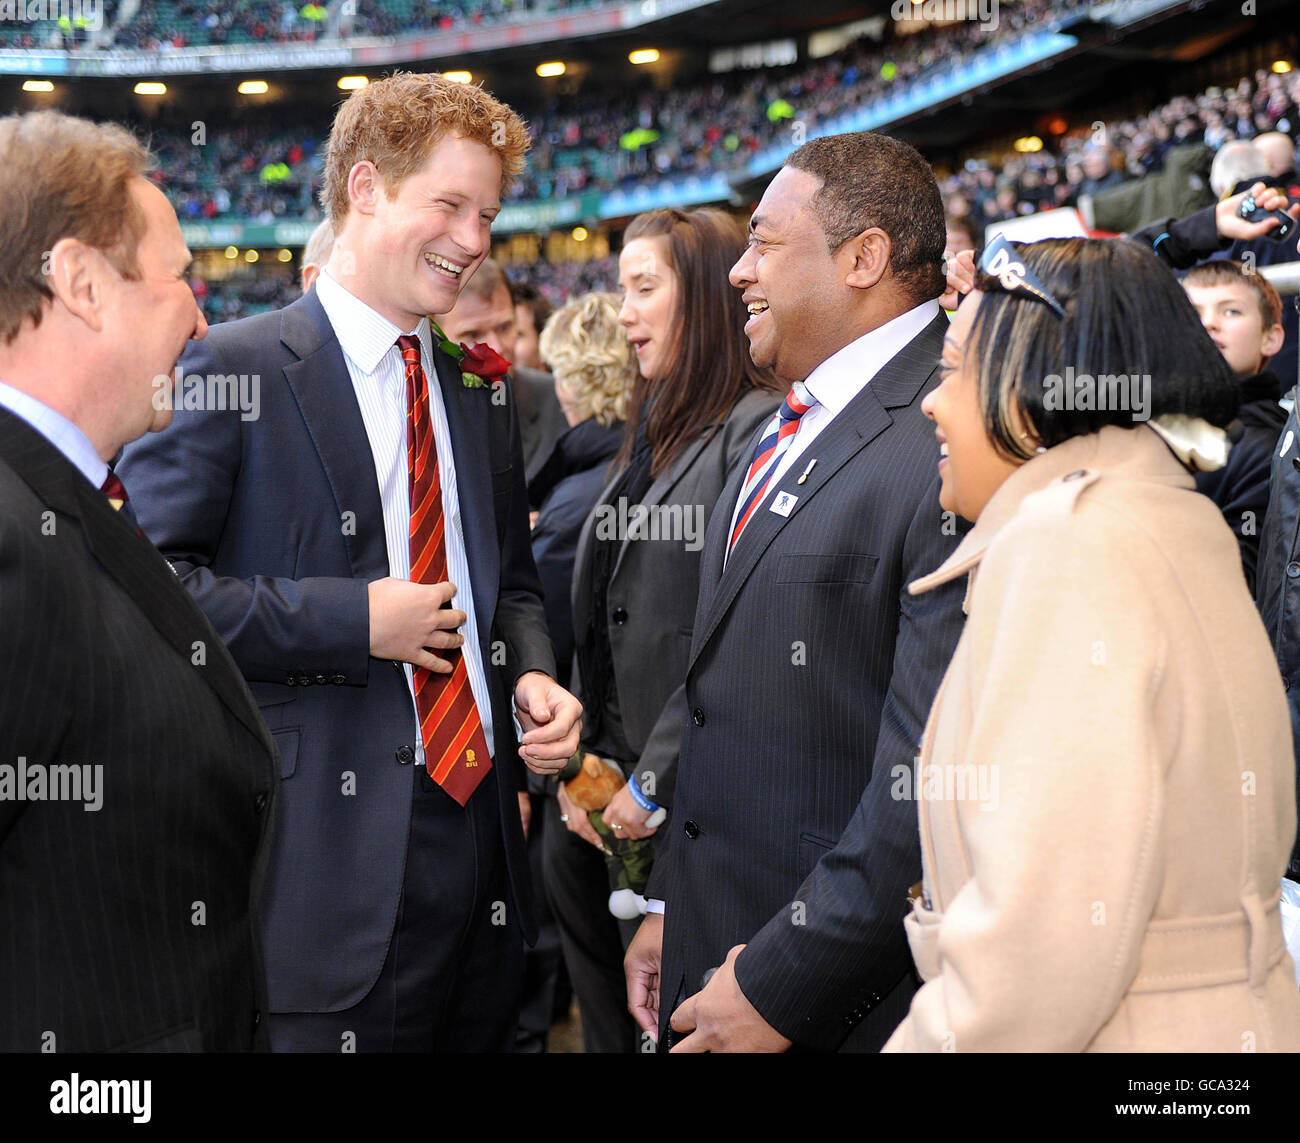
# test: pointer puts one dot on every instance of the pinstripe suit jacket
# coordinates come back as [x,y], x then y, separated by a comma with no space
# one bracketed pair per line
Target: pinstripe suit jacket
[811,675]
[132,925]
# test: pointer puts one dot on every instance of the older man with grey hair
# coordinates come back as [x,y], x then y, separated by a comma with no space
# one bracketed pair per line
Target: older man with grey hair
[1235,163]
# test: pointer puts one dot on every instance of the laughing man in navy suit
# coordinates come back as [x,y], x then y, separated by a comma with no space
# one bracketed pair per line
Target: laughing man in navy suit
[382,642]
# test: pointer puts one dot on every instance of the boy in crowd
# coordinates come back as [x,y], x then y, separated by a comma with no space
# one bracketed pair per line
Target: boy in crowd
[1242,313]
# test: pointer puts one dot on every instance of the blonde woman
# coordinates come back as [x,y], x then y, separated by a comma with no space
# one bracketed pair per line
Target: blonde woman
[585,349]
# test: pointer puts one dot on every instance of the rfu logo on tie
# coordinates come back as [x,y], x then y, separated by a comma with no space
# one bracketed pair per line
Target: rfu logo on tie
[784,503]
[469,758]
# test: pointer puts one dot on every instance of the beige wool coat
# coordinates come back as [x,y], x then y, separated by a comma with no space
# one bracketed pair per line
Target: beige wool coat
[1105,784]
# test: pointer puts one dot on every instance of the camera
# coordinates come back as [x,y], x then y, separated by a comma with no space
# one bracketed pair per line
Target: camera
[1251,212]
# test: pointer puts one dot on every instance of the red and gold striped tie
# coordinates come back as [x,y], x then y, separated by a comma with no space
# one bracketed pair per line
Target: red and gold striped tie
[455,749]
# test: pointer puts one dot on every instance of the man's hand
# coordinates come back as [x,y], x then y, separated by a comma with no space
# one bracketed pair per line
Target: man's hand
[961,278]
[1230,225]
[721,1019]
[641,968]
[576,820]
[408,622]
[623,811]
[552,722]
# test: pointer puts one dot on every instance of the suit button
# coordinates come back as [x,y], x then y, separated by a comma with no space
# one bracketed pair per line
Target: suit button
[697,716]
[405,755]
[339,680]
[692,830]
[1293,569]
[620,615]
[291,681]
[322,679]
[260,802]
[304,680]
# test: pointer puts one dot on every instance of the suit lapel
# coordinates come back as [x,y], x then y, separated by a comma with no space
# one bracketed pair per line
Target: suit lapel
[857,425]
[322,387]
[133,562]
[467,412]
[661,487]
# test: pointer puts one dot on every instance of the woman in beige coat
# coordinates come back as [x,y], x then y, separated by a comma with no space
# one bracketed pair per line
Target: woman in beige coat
[1106,782]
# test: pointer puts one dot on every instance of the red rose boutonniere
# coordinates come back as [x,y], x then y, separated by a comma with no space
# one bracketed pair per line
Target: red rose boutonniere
[479,366]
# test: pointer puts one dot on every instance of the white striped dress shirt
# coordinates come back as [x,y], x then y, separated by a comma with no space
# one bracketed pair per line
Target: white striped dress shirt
[369,344]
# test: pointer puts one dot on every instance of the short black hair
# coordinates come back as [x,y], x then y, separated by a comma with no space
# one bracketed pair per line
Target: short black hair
[869,179]
[1125,316]
[524,293]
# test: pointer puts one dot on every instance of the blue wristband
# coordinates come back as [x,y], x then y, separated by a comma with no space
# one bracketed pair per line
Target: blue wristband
[638,797]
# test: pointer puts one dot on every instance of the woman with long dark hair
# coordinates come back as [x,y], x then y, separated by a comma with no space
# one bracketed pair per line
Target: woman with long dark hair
[1105,783]
[696,404]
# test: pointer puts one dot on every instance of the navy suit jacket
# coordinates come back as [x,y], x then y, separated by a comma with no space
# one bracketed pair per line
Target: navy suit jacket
[811,675]
[275,526]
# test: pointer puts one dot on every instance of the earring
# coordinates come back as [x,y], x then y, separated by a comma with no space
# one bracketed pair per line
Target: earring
[1040,449]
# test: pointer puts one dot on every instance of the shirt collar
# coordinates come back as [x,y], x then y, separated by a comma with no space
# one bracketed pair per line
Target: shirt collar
[58,430]
[843,375]
[364,334]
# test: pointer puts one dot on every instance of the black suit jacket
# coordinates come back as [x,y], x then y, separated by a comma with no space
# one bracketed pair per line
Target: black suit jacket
[131,925]
[811,675]
[541,420]
[276,527]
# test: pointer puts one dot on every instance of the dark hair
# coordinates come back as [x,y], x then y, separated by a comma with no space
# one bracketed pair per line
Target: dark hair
[870,180]
[526,294]
[709,354]
[1125,316]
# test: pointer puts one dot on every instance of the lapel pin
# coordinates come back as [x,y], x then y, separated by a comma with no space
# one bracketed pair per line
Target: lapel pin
[806,471]
[784,503]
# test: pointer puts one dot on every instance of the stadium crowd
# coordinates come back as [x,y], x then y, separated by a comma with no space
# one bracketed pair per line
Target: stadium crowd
[169,25]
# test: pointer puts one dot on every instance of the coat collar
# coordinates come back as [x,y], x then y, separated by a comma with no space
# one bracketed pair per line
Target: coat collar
[1137,454]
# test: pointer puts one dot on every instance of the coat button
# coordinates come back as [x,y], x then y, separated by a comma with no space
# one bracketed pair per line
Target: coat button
[620,615]
[291,681]
[697,716]
[339,680]
[304,680]
[1293,569]
[321,680]
[405,755]
[692,830]
[260,802]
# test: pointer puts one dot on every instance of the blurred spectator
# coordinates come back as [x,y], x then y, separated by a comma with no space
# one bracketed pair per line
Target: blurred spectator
[316,253]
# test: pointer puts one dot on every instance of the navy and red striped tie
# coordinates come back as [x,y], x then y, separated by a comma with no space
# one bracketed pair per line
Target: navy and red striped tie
[767,456]
[455,748]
